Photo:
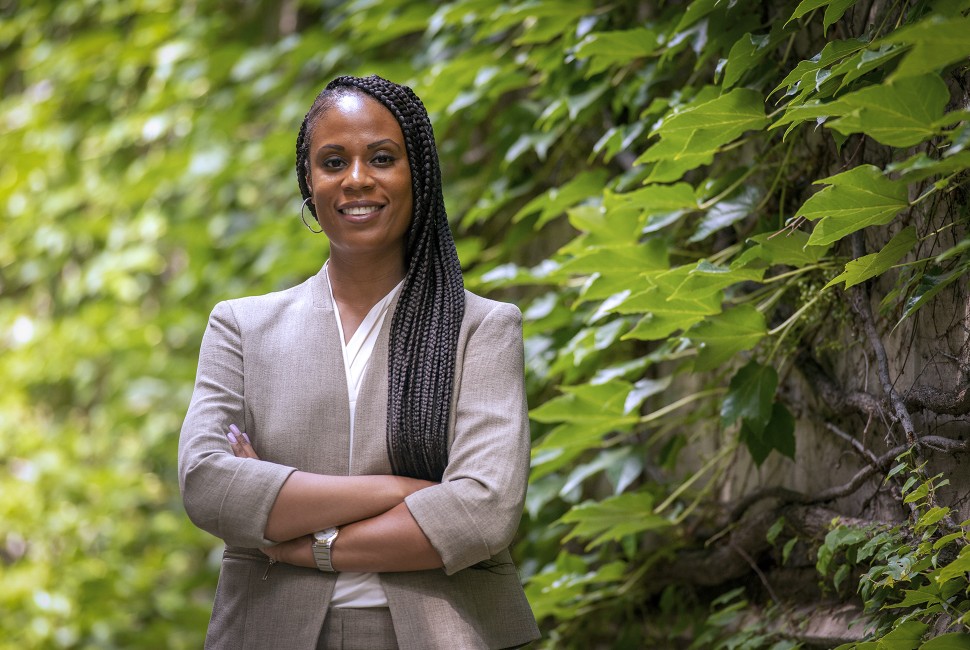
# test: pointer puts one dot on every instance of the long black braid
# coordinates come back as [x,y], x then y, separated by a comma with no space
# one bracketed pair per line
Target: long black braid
[424,330]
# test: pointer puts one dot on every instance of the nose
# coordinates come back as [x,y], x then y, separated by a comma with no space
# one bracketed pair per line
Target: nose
[358,176]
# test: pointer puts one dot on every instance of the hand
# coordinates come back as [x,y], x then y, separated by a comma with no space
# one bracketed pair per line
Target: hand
[239,441]
[298,552]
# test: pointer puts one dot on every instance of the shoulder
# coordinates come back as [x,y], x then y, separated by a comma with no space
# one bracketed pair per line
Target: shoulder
[490,315]
[270,305]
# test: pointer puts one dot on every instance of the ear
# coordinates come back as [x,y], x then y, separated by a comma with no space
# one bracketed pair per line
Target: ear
[309,184]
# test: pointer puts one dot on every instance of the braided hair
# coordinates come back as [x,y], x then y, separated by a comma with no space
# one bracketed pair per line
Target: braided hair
[424,330]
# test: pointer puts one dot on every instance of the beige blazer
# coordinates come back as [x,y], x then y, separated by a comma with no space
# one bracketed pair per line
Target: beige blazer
[273,366]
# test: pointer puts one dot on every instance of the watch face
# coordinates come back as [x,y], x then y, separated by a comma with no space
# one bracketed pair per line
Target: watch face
[324,536]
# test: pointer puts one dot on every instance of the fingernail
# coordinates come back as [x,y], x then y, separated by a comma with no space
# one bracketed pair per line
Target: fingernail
[234,429]
[246,438]
[232,438]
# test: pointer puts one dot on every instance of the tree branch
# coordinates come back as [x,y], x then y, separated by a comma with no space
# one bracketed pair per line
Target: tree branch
[840,401]
[787,495]
[860,305]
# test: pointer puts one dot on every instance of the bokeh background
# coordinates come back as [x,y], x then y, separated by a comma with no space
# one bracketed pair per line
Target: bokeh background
[723,436]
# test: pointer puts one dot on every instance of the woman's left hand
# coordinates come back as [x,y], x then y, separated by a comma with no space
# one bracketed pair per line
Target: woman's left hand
[299,551]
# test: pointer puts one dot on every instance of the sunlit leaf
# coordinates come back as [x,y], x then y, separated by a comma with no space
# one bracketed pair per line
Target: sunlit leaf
[613,518]
[901,113]
[869,266]
[606,49]
[745,53]
[935,43]
[860,197]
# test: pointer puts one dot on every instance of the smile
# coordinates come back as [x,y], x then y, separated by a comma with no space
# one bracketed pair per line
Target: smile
[359,211]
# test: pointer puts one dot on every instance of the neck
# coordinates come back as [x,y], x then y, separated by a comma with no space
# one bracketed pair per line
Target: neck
[359,282]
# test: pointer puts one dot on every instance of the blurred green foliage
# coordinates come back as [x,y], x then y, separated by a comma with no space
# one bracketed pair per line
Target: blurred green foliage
[617,169]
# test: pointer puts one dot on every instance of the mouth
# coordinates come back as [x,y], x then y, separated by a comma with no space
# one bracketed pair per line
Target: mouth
[360,210]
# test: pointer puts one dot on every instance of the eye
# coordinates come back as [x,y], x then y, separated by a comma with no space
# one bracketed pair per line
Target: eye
[332,163]
[383,159]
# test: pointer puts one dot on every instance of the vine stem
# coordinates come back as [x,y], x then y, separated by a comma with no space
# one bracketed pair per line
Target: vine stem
[725,451]
[795,316]
[934,188]
[785,327]
[659,413]
[804,269]
[769,302]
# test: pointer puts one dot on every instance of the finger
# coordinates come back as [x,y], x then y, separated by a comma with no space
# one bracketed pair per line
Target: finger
[241,445]
[241,436]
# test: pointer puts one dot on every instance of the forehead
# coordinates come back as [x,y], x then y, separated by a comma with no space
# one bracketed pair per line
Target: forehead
[356,115]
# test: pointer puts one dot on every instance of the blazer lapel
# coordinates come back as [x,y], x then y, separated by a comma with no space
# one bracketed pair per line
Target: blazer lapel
[331,451]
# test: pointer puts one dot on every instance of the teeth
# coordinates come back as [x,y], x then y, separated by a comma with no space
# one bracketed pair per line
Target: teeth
[360,211]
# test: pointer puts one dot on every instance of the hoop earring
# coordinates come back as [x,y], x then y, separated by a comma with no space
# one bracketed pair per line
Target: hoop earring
[303,218]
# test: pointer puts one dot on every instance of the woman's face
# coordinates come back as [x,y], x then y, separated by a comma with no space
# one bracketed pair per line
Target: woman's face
[359,178]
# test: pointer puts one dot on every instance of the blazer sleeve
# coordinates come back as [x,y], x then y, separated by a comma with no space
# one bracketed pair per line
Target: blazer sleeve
[474,512]
[227,496]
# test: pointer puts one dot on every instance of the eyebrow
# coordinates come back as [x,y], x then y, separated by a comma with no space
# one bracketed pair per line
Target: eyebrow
[372,145]
[381,143]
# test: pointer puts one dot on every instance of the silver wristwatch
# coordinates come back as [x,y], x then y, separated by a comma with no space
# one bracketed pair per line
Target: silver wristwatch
[322,544]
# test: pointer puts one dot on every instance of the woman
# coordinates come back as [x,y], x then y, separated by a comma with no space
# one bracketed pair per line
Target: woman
[381,476]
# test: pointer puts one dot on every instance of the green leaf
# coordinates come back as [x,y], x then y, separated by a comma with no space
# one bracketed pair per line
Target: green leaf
[864,62]
[607,49]
[727,212]
[643,389]
[613,518]
[750,396]
[568,441]
[614,269]
[627,259]
[930,284]
[951,641]
[918,493]
[946,539]
[869,266]
[694,12]
[691,135]
[556,200]
[900,113]
[958,568]
[931,516]
[913,597]
[586,403]
[654,199]
[834,10]
[855,199]
[787,549]
[919,166]
[809,69]
[724,335]
[705,279]
[936,43]
[905,637]
[775,530]
[729,115]
[745,53]
[778,434]
[789,247]
[664,313]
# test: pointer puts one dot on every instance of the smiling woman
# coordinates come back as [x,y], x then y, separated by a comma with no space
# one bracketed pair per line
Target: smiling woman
[361,441]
